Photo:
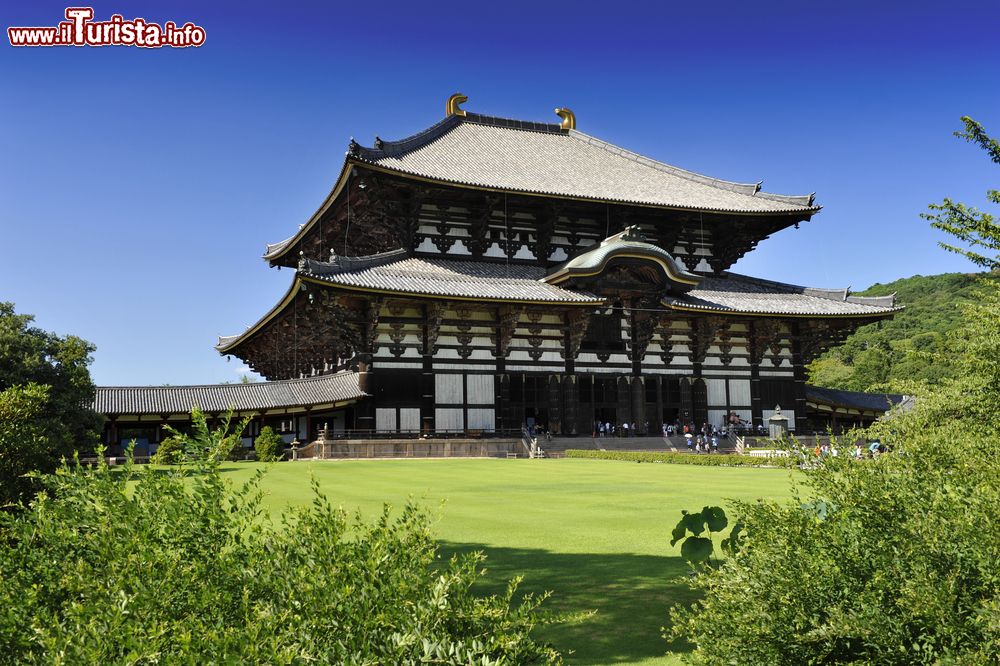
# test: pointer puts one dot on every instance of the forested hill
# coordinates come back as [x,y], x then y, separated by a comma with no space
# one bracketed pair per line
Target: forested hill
[883,353]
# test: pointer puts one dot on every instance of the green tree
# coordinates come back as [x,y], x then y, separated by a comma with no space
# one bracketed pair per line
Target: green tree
[891,560]
[146,566]
[49,393]
[268,445]
[913,346]
[169,452]
[978,230]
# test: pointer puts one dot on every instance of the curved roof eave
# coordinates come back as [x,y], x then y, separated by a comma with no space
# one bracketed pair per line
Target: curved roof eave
[228,342]
[685,307]
[274,251]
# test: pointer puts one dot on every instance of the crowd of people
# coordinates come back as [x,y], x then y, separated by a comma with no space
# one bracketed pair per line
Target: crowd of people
[858,452]
[700,439]
[626,429]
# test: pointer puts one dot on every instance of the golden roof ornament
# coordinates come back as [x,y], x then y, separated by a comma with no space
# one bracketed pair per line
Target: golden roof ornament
[452,106]
[568,118]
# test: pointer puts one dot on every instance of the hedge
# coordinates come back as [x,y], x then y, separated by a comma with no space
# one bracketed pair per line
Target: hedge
[710,459]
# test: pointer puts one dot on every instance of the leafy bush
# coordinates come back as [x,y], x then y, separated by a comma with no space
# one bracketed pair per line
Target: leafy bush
[139,565]
[24,445]
[232,448]
[169,452]
[268,445]
[889,561]
[892,560]
[696,548]
[222,443]
[711,460]
[45,398]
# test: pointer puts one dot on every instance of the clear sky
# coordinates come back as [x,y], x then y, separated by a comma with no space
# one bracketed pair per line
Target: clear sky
[138,187]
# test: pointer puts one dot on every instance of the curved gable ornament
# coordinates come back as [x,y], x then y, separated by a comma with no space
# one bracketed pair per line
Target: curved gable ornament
[568,119]
[625,260]
[453,106]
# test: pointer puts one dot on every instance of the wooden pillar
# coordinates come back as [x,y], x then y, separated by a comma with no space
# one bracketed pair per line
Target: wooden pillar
[160,432]
[756,407]
[500,391]
[701,339]
[699,399]
[429,337]
[510,422]
[639,404]
[364,411]
[799,369]
[260,420]
[310,435]
[756,345]
[658,421]
[624,410]
[687,402]
[571,402]
[554,404]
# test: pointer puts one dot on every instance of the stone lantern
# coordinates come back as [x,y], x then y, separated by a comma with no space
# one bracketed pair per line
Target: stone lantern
[777,424]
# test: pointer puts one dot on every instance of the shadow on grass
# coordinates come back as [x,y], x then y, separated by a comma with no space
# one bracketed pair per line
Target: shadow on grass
[631,594]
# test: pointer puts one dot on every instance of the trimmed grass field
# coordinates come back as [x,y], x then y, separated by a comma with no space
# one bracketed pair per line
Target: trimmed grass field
[594,532]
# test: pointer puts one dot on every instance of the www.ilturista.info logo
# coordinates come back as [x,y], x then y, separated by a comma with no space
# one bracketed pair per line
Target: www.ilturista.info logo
[79,29]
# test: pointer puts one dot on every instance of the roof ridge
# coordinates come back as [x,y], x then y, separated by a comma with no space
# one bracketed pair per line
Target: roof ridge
[515,124]
[394,148]
[840,295]
[762,281]
[383,148]
[270,382]
[345,264]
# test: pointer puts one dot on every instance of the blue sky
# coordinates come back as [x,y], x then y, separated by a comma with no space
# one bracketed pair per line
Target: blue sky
[138,187]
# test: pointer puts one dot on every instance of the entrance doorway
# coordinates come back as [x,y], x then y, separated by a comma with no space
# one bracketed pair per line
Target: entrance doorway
[536,419]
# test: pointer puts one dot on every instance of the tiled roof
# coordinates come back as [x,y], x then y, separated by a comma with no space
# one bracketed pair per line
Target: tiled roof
[255,396]
[853,399]
[543,159]
[450,278]
[730,292]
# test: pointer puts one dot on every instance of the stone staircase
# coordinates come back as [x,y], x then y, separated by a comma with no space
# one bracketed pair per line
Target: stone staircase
[557,446]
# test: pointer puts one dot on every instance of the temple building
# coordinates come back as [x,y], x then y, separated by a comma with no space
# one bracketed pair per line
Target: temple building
[486,273]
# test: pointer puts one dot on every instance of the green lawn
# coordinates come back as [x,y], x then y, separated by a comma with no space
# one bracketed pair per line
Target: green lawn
[594,532]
